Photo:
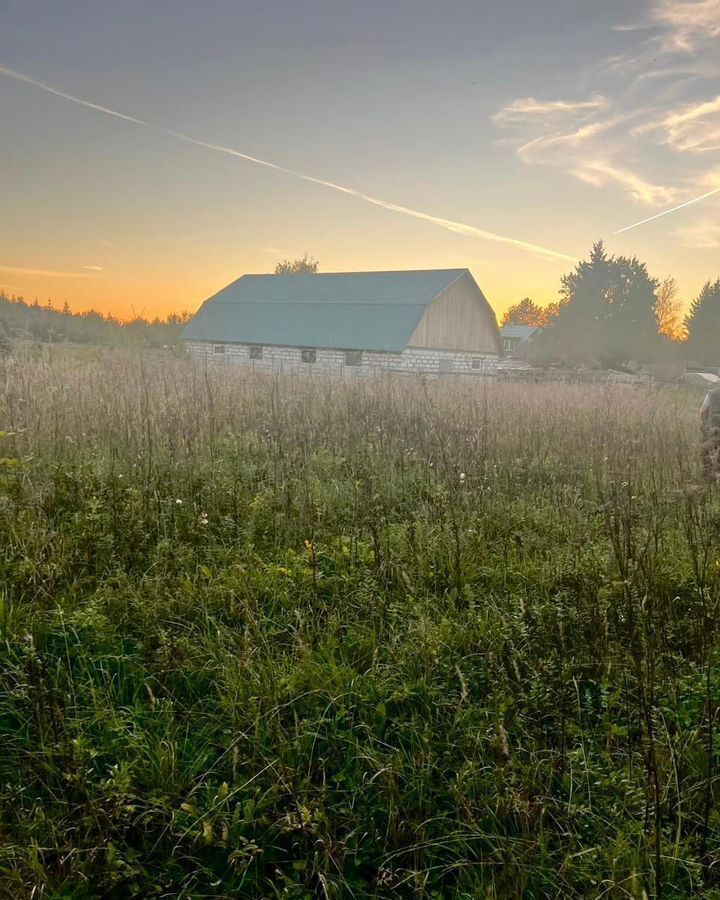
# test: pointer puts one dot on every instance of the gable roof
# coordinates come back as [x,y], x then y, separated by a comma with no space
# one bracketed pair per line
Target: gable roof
[342,310]
[519,331]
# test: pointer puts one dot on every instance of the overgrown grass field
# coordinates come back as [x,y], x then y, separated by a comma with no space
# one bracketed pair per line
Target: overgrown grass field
[296,638]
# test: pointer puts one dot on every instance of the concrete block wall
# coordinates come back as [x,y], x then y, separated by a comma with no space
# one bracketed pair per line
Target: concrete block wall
[332,362]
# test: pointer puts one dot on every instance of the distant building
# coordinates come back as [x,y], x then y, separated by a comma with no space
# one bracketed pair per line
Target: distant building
[433,321]
[515,335]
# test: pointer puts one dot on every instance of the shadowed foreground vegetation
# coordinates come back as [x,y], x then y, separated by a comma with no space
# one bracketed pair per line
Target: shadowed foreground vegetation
[293,638]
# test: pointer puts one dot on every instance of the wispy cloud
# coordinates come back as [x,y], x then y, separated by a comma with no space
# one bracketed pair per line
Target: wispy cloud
[94,268]
[674,30]
[105,243]
[45,273]
[703,234]
[712,179]
[568,136]
[600,172]
[650,112]
[518,110]
[543,149]
[688,22]
[694,128]
[448,224]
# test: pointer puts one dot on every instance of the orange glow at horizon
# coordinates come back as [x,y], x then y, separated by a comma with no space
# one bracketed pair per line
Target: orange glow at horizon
[126,292]
[129,295]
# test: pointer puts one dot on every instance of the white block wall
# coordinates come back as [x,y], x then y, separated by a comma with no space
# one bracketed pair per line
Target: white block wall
[332,362]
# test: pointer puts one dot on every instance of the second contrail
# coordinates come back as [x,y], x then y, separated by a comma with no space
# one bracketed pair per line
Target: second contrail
[448,224]
[666,212]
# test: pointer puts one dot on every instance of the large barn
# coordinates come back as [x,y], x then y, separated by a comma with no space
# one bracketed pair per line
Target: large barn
[433,321]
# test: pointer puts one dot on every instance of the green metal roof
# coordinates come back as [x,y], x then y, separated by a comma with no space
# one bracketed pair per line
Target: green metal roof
[345,311]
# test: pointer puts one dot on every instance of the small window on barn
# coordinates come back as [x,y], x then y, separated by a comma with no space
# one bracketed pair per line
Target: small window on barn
[477,363]
[218,349]
[507,343]
[308,355]
[353,357]
[256,351]
[445,365]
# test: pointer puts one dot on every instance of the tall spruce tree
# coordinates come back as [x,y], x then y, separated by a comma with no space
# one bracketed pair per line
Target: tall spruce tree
[606,315]
[703,326]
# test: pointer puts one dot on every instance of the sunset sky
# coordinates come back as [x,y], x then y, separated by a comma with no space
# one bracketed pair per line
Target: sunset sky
[505,137]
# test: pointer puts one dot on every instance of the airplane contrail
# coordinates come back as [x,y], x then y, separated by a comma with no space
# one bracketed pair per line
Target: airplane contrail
[666,212]
[448,224]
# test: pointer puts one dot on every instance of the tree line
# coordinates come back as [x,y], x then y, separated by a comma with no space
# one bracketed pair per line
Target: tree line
[23,321]
[612,311]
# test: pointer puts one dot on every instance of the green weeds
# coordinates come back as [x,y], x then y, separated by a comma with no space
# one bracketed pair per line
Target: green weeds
[275,638]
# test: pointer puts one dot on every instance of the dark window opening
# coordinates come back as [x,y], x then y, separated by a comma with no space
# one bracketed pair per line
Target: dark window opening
[308,356]
[256,352]
[353,357]
[218,348]
[445,365]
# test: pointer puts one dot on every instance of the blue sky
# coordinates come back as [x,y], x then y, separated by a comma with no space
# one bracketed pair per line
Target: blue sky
[547,125]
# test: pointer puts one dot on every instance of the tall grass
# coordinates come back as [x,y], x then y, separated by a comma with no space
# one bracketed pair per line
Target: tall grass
[299,638]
